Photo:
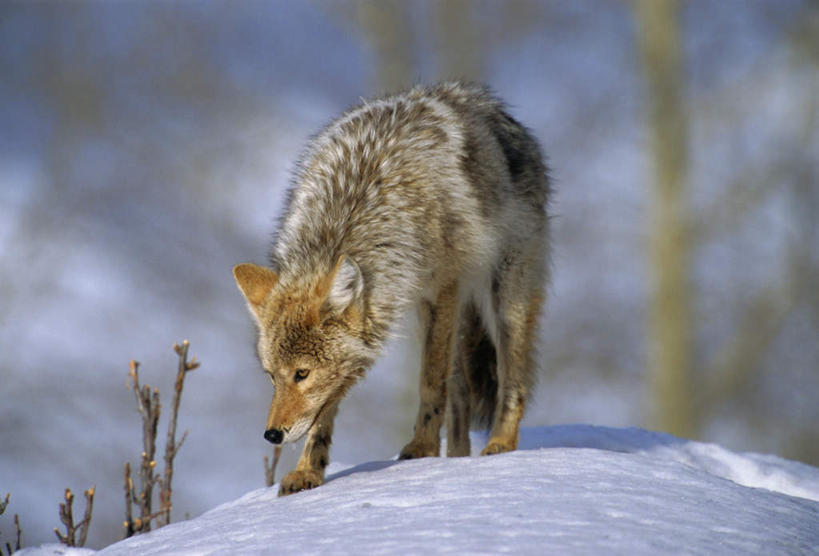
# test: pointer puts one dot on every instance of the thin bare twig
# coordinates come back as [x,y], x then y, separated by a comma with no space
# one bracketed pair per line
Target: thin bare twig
[128,524]
[270,469]
[18,532]
[86,518]
[67,517]
[171,447]
[149,408]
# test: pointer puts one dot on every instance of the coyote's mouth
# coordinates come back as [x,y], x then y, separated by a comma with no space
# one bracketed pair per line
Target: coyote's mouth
[297,431]
[294,433]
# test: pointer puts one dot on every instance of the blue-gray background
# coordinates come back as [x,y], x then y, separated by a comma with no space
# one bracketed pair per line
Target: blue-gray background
[145,148]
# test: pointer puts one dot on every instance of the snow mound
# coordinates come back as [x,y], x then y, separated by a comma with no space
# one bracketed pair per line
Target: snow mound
[569,489]
[750,470]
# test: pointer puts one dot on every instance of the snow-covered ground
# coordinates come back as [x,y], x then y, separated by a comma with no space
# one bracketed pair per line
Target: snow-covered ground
[568,490]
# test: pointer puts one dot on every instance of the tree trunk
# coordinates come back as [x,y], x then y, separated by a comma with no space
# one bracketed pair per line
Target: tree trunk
[384,24]
[669,326]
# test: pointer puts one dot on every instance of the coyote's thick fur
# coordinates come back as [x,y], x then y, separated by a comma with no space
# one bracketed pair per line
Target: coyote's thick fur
[435,198]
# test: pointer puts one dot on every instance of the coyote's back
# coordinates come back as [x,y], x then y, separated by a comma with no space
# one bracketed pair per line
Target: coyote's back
[435,198]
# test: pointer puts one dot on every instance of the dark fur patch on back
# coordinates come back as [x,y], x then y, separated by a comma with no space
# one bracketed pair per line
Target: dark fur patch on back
[513,141]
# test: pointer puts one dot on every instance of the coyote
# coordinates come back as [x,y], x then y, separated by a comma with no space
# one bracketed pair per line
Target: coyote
[435,199]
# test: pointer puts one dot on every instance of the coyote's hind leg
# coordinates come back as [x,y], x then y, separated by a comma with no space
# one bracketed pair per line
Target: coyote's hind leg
[517,298]
[458,414]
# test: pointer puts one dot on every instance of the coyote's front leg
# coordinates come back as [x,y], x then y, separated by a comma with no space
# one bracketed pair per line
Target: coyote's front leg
[438,321]
[309,472]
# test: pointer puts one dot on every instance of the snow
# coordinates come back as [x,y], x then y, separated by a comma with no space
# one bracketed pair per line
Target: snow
[567,490]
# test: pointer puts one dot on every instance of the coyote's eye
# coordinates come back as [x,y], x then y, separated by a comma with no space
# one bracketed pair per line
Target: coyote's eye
[300,375]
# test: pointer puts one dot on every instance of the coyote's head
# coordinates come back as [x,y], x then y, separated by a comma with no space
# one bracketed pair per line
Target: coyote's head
[311,341]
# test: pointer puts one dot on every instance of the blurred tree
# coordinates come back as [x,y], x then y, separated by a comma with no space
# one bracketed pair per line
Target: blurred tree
[747,372]
[467,32]
[803,254]
[461,42]
[669,328]
[737,375]
[384,24]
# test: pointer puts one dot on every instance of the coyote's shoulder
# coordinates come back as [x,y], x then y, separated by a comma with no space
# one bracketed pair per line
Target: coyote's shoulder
[434,198]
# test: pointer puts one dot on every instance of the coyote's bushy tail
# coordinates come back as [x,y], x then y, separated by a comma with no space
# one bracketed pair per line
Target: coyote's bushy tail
[478,361]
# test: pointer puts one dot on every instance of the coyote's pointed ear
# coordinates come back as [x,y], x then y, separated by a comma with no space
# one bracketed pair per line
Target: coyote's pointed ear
[255,282]
[344,287]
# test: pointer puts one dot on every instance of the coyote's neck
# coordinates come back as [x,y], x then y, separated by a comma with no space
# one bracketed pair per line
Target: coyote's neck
[307,254]
[365,190]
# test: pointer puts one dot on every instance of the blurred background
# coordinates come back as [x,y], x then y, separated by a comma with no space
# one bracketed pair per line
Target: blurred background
[145,148]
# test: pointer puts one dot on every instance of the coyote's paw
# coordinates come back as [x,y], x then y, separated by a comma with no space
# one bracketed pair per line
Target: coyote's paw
[299,480]
[497,446]
[415,450]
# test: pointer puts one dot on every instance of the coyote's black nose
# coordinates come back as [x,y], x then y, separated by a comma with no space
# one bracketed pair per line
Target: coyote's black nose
[274,435]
